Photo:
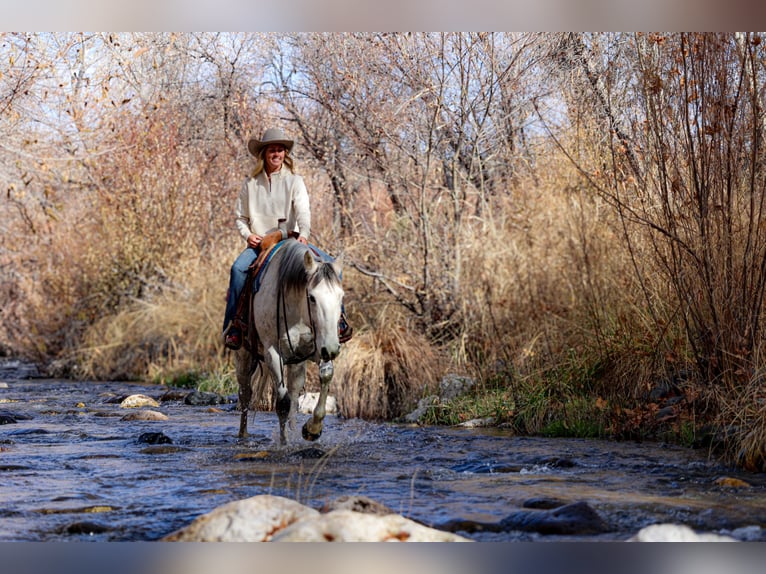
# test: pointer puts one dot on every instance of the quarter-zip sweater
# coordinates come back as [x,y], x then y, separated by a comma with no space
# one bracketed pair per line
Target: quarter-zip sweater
[263,202]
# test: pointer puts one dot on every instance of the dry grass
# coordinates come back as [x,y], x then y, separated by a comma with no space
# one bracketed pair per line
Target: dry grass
[176,332]
[385,369]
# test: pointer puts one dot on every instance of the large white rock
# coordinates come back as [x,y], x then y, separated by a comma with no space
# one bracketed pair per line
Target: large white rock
[254,519]
[676,533]
[266,518]
[350,526]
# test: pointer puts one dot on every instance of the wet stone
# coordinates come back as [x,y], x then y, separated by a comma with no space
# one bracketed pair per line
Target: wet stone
[154,438]
[542,503]
[174,395]
[206,399]
[7,419]
[575,518]
[84,527]
[135,401]
[310,452]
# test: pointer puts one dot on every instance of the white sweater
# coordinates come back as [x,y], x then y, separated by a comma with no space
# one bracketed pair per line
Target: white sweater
[261,204]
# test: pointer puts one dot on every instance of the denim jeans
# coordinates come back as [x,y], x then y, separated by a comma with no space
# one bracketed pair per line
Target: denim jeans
[237,280]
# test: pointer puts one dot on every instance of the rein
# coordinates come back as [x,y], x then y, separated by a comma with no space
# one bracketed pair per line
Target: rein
[293,360]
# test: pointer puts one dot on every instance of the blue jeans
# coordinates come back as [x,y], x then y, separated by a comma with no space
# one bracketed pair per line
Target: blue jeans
[237,280]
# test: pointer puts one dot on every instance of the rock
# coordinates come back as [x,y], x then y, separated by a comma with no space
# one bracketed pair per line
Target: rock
[423,405]
[676,533]
[265,518]
[478,423]
[308,401]
[575,518]
[349,526]
[85,527]
[3,385]
[145,415]
[357,504]
[136,401]
[254,519]
[174,395]
[452,386]
[6,419]
[154,438]
[201,398]
[542,503]
[753,533]
[731,482]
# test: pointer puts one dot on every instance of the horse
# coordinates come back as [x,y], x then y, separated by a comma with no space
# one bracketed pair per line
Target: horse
[295,312]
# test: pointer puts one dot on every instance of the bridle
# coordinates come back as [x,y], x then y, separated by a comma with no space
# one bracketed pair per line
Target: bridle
[294,359]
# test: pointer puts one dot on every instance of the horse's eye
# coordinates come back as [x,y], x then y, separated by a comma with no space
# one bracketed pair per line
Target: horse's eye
[312,299]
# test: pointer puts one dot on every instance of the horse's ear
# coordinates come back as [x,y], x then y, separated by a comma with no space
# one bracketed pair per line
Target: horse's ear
[337,264]
[309,262]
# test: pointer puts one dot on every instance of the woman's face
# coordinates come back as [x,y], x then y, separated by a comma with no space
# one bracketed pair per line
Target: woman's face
[274,157]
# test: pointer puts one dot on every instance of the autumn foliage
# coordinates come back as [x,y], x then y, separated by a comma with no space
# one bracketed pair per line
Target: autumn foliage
[572,219]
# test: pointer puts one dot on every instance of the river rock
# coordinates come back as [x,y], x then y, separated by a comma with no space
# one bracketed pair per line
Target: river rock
[350,526]
[266,518]
[254,519]
[203,398]
[676,533]
[576,518]
[450,387]
[154,438]
[137,401]
[478,423]
[357,503]
[308,401]
[145,415]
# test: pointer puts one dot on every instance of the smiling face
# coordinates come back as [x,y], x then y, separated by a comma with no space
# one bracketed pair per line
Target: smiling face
[274,157]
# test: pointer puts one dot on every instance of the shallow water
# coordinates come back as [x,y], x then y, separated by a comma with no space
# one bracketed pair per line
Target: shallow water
[74,470]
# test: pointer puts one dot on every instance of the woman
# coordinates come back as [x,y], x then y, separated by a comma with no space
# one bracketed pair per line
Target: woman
[270,197]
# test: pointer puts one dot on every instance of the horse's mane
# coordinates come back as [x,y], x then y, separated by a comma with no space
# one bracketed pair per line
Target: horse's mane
[292,271]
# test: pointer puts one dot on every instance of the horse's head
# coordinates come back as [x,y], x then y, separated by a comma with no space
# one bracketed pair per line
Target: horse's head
[325,297]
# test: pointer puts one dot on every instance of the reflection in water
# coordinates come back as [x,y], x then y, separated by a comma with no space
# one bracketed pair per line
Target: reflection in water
[72,469]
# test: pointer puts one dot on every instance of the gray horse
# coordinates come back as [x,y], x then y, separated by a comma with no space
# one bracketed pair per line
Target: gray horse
[296,309]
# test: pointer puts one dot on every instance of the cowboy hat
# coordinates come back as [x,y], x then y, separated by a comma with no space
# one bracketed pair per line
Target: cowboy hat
[270,136]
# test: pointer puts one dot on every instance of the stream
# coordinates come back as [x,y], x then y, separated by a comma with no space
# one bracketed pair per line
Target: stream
[73,467]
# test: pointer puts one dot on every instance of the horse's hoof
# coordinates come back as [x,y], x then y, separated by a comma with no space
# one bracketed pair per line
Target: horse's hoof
[308,435]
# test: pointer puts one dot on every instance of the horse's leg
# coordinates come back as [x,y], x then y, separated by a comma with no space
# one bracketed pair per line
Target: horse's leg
[281,394]
[312,429]
[242,360]
[295,378]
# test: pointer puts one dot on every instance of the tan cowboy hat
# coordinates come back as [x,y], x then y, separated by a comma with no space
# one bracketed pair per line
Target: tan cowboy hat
[270,136]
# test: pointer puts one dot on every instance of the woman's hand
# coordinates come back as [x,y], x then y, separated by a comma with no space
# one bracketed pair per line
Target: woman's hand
[254,240]
[303,240]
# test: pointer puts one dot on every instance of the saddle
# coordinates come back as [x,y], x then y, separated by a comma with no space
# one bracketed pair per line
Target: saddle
[243,316]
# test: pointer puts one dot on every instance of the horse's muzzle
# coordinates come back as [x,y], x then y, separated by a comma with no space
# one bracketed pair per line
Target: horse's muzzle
[328,355]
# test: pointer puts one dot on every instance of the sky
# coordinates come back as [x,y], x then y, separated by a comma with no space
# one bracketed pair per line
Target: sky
[383,15]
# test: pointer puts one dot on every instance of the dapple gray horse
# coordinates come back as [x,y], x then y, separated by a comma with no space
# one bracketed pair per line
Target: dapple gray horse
[296,309]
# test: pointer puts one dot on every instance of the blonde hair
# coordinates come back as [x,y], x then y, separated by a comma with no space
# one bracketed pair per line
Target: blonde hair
[260,162]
